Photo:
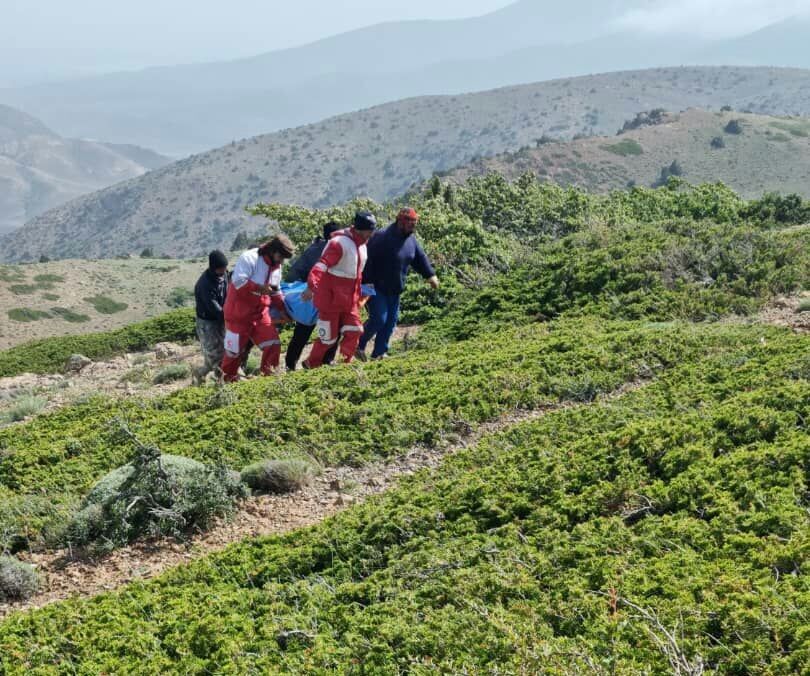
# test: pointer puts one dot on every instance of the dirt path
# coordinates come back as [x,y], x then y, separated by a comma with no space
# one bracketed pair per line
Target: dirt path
[64,576]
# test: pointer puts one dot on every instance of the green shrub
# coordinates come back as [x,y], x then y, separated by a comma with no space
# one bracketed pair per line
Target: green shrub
[18,580]
[24,314]
[155,495]
[569,544]
[625,148]
[171,373]
[106,306]
[278,476]
[50,296]
[804,305]
[49,279]
[49,355]
[23,289]
[23,407]
[180,297]
[69,315]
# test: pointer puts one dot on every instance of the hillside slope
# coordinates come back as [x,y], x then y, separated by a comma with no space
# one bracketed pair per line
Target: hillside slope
[40,170]
[189,206]
[51,299]
[769,155]
[656,524]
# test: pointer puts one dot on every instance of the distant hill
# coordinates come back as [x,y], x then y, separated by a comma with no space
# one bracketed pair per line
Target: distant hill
[785,43]
[179,110]
[79,296]
[188,108]
[187,207]
[40,170]
[765,154]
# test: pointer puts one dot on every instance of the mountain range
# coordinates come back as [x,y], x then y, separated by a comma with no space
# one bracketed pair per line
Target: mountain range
[185,109]
[187,207]
[39,169]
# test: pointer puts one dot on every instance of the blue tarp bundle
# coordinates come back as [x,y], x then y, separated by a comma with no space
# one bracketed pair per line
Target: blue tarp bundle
[303,311]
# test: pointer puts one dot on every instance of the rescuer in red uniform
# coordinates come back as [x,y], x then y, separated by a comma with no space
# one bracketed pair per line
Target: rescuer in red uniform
[253,290]
[335,284]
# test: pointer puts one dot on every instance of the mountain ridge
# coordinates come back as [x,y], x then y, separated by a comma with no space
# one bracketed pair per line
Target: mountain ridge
[197,203]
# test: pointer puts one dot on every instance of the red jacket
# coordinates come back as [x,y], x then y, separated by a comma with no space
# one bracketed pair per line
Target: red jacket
[336,279]
[245,305]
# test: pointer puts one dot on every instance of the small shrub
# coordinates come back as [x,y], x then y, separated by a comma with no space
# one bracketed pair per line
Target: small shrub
[626,148]
[49,279]
[106,306]
[18,580]
[718,143]
[70,315]
[734,127]
[24,407]
[154,495]
[139,374]
[179,297]
[804,306]
[50,296]
[24,314]
[172,373]
[23,289]
[278,476]
[148,252]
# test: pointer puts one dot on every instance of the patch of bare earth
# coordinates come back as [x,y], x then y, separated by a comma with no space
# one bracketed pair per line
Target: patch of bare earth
[784,311]
[64,574]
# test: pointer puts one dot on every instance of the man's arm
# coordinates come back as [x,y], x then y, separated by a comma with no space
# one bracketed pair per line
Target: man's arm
[422,265]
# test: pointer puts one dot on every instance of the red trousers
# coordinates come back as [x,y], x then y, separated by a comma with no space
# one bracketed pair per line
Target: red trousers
[346,327]
[237,336]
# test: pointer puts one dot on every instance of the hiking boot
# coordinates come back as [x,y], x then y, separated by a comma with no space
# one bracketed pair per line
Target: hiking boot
[361,355]
[305,365]
[379,357]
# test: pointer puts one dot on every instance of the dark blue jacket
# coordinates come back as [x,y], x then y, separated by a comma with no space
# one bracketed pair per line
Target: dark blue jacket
[209,294]
[390,256]
[299,270]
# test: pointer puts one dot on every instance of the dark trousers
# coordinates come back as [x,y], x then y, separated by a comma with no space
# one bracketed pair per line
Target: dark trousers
[300,338]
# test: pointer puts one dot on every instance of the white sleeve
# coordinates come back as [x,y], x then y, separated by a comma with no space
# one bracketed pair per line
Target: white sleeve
[244,268]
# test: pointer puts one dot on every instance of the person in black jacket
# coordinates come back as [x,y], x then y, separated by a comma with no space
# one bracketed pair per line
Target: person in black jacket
[298,272]
[210,293]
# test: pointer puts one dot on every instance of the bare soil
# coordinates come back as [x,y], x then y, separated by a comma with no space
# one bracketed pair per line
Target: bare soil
[784,311]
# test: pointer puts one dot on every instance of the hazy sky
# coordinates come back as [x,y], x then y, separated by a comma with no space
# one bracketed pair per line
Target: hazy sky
[44,39]
[173,31]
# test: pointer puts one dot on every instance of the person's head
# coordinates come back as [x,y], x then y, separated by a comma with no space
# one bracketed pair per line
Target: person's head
[217,263]
[407,219]
[277,249]
[364,224]
[330,228]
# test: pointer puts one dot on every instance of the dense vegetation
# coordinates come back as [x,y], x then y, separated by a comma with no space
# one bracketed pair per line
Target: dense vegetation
[568,544]
[335,416]
[663,529]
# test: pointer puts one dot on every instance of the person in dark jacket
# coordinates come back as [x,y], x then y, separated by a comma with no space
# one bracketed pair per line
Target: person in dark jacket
[210,293]
[298,272]
[391,253]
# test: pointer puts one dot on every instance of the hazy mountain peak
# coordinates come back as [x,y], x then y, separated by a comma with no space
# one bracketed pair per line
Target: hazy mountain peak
[16,125]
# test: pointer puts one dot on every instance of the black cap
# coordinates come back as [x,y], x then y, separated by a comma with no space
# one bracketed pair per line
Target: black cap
[217,260]
[329,228]
[364,220]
